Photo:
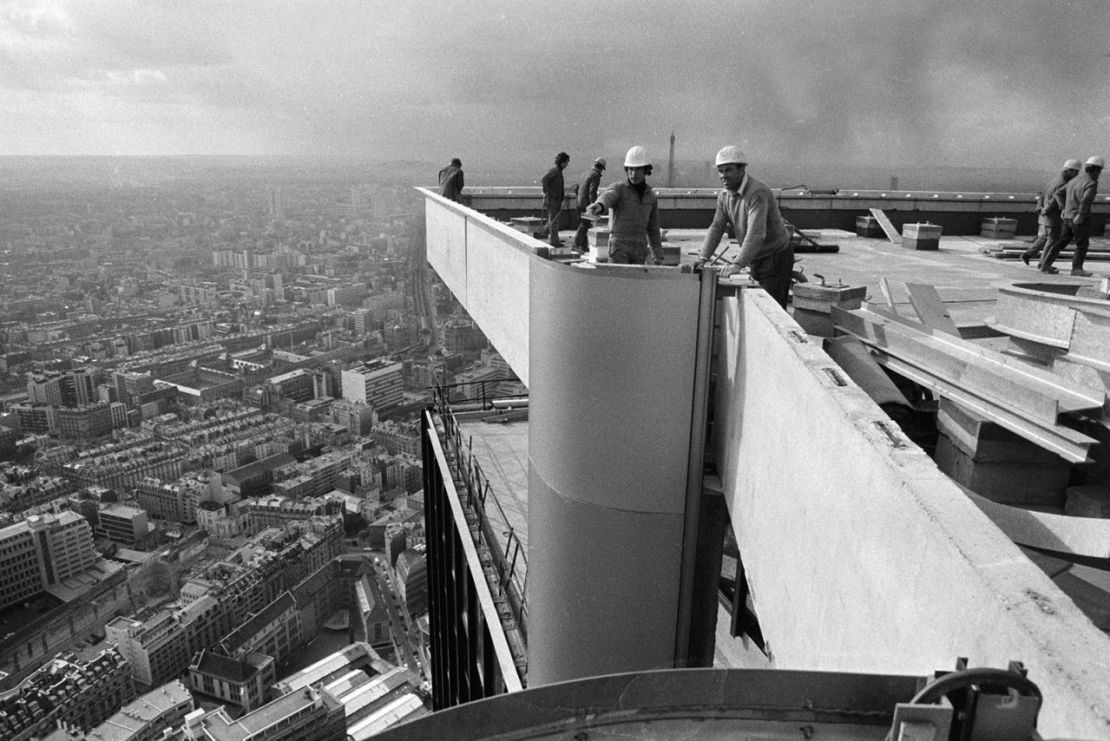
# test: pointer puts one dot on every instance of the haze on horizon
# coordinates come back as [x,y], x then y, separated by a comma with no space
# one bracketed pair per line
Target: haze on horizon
[866,82]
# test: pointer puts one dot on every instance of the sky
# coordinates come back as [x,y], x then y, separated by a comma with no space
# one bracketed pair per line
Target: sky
[997,83]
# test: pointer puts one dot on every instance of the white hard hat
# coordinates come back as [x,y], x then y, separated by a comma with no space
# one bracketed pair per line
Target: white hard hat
[601,161]
[730,155]
[1097,162]
[1073,164]
[636,157]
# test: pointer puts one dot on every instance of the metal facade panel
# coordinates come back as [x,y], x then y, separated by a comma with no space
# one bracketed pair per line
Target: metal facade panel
[603,587]
[612,370]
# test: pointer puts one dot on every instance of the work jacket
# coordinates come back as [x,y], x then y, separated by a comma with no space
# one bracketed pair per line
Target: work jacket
[1050,207]
[633,219]
[587,190]
[1079,194]
[552,182]
[756,222]
[451,182]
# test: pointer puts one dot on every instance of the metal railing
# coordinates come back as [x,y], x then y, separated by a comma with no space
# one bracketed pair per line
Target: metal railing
[494,531]
[460,394]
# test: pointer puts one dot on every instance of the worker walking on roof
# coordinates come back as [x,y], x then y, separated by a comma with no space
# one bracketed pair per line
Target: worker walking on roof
[1048,211]
[553,194]
[634,214]
[451,180]
[1078,195]
[750,207]
[587,194]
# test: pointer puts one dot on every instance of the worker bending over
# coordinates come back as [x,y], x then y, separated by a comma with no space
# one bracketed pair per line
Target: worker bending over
[752,210]
[634,217]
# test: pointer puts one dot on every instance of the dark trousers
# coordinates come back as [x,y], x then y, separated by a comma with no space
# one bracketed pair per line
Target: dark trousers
[581,242]
[1045,236]
[554,210]
[775,273]
[1081,233]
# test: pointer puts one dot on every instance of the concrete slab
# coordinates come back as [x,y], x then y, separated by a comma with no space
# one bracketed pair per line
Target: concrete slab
[501,450]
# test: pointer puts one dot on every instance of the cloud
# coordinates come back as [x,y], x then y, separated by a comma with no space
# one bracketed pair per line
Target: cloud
[828,81]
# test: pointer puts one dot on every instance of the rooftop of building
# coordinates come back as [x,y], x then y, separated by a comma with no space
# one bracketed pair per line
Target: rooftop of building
[333,666]
[137,714]
[220,728]
[225,667]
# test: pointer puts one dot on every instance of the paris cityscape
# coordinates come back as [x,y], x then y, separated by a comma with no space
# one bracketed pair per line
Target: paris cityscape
[211,466]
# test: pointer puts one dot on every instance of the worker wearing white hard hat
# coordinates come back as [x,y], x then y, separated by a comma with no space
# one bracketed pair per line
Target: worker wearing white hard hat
[1050,202]
[1079,195]
[587,194]
[750,208]
[634,235]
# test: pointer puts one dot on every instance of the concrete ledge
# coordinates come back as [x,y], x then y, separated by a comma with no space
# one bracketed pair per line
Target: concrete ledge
[861,555]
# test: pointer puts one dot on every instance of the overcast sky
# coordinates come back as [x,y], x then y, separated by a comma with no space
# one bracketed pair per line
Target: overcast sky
[994,83]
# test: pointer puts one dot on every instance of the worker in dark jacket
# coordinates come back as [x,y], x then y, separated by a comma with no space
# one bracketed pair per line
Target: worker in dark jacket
[553,194]
[1079,194]
[451,180]
[587,194]
[750,207]
[1048,211]
[634,214]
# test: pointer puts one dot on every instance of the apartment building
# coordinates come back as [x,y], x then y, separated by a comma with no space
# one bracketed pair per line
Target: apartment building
[42,551]
[378,383]
[67,692]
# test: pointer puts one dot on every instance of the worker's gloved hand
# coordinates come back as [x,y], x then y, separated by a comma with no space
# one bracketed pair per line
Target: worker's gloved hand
[698,264]
[729,270]
[594,209]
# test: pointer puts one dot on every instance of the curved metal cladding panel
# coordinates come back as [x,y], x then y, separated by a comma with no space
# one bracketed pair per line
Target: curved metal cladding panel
[612,372]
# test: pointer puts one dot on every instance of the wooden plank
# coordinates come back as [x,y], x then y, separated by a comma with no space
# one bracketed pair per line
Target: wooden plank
[884,287]
[888,228]
[929,307]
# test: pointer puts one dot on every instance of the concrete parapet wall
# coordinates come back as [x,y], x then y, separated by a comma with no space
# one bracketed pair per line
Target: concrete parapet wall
[860,554]
[486,266]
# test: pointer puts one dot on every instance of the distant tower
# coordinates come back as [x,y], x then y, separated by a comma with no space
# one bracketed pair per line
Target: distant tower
[275,203]
[670,164]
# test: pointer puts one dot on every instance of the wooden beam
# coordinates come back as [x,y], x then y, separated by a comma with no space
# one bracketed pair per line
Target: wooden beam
[930,309]
[887,227]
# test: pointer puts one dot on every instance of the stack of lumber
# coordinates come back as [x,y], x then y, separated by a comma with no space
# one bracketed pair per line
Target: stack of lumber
[1012,249]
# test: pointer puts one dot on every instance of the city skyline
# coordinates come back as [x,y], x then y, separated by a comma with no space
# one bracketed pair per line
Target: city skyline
[984,85]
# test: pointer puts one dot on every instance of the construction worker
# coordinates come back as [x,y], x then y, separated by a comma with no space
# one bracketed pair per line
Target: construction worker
[750,207]
[553,194]
[451,180]
[1079,194]
[587,194]
[634,213]
[1048,211]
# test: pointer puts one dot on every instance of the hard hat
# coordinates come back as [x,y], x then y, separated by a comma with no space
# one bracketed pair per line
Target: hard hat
[1073,164]
[600,162]
[1097,162]
[636,157]
[730,155]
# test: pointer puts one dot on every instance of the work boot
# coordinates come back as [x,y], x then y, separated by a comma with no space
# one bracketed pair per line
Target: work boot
[1081,272]
[1050,270]
[1025,257]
